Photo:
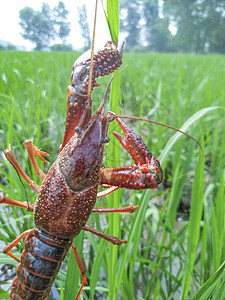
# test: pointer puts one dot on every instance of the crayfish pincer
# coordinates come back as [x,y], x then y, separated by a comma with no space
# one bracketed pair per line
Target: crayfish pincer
[69,190]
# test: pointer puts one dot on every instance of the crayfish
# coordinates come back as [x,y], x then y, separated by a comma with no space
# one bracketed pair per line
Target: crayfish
[69,190]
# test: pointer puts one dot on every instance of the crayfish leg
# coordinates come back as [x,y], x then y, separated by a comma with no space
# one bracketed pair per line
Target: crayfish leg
[7,248]
[81,268]
[6,200]
[112,239]
[126,209]
[11,158]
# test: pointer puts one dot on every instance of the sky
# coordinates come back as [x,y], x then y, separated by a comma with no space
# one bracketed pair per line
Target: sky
[10,29]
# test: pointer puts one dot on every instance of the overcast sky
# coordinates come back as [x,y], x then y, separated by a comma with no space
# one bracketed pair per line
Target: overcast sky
[10,29]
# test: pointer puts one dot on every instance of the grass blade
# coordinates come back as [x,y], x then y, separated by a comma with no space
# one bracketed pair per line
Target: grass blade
[207,288]
[185,126]
[194,227]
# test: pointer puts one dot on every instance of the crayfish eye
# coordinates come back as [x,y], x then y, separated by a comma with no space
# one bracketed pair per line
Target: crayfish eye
[77,129]
[106,140]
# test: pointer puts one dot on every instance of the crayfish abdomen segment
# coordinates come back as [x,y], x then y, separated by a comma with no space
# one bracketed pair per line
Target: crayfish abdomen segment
[40,263]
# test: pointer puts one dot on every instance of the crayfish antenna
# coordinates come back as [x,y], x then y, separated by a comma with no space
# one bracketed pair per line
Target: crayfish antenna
[120,47]
[161,124]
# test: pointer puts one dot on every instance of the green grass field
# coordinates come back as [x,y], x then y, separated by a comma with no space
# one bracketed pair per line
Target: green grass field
[176,239]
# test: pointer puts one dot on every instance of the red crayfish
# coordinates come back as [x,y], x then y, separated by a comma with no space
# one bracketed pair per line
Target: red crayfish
[69,191]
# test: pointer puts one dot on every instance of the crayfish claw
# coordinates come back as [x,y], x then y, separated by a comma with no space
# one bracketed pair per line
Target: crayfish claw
[120,139]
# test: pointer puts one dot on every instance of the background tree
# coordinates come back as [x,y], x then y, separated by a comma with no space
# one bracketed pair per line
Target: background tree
[161,38]
[150,13]
[84,26]
[156,30]
[141,22]
[200,24]
[41,27]
[61,47]
[62,26]
[213,25]
[184,15]
[37,26]
[130,22]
